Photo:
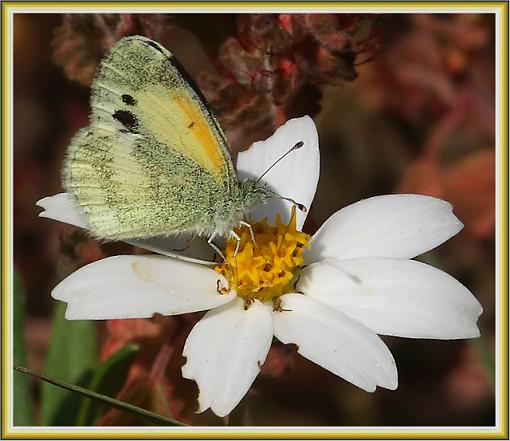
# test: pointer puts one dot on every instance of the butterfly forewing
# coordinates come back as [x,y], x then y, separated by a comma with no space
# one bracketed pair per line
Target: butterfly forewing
[153,160]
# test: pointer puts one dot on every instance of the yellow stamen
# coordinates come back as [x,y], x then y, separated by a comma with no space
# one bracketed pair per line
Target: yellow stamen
[264,270]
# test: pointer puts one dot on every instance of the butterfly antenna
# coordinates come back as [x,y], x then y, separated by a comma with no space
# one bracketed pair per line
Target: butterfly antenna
[296,146]
[301,207]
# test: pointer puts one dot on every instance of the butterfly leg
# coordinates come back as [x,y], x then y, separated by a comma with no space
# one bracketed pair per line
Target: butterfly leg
[252,234]
[238,240]
[215,248]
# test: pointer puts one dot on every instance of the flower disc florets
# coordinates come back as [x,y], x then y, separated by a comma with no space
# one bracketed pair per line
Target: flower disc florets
[264,269]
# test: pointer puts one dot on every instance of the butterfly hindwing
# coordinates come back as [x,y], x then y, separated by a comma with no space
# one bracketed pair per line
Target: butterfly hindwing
[124,198]
[153,160]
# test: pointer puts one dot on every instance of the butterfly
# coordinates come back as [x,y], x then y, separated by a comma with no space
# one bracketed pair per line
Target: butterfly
[154,160]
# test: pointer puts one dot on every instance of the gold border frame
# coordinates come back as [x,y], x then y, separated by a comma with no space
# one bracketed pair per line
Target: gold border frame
[499,8]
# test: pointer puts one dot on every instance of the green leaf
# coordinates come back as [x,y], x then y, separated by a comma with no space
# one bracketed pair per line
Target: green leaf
[126,407]
[72,358]
[108,380]
[22,411]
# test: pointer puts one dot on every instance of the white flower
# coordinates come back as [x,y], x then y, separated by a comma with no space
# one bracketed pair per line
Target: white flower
[357,281]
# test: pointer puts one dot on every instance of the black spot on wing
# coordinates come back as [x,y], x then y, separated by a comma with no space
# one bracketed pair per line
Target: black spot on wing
[127,119]
[128,99]
[154,45]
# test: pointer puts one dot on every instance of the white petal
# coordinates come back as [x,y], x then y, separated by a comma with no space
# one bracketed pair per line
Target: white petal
[224,353]
[295,177]
[402,226]
[63,208]
[395,297]
[336,342]
[192,249]
[139,286]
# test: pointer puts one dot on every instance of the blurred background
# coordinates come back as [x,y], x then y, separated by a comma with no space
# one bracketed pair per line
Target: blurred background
[403,103]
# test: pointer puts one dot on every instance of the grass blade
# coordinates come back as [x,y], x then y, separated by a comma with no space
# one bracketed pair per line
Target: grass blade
[112,402]
[108,380]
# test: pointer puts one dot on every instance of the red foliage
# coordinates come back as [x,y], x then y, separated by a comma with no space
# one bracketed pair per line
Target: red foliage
[275,67]
[148,385]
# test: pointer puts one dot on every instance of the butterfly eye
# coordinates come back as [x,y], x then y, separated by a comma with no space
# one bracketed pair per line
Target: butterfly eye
[251,199]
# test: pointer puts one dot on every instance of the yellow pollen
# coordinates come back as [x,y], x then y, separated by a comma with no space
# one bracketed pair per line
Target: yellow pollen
[264,270]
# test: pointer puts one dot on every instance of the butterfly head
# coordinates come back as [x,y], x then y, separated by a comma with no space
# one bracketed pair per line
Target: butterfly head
[254,193]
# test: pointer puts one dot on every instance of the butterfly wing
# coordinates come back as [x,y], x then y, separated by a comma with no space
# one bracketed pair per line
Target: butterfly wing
[153,160]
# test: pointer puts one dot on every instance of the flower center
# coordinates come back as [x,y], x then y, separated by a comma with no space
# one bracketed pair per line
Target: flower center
[264,269]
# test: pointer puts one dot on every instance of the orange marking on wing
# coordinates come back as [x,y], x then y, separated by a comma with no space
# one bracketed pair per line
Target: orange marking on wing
[203,133]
